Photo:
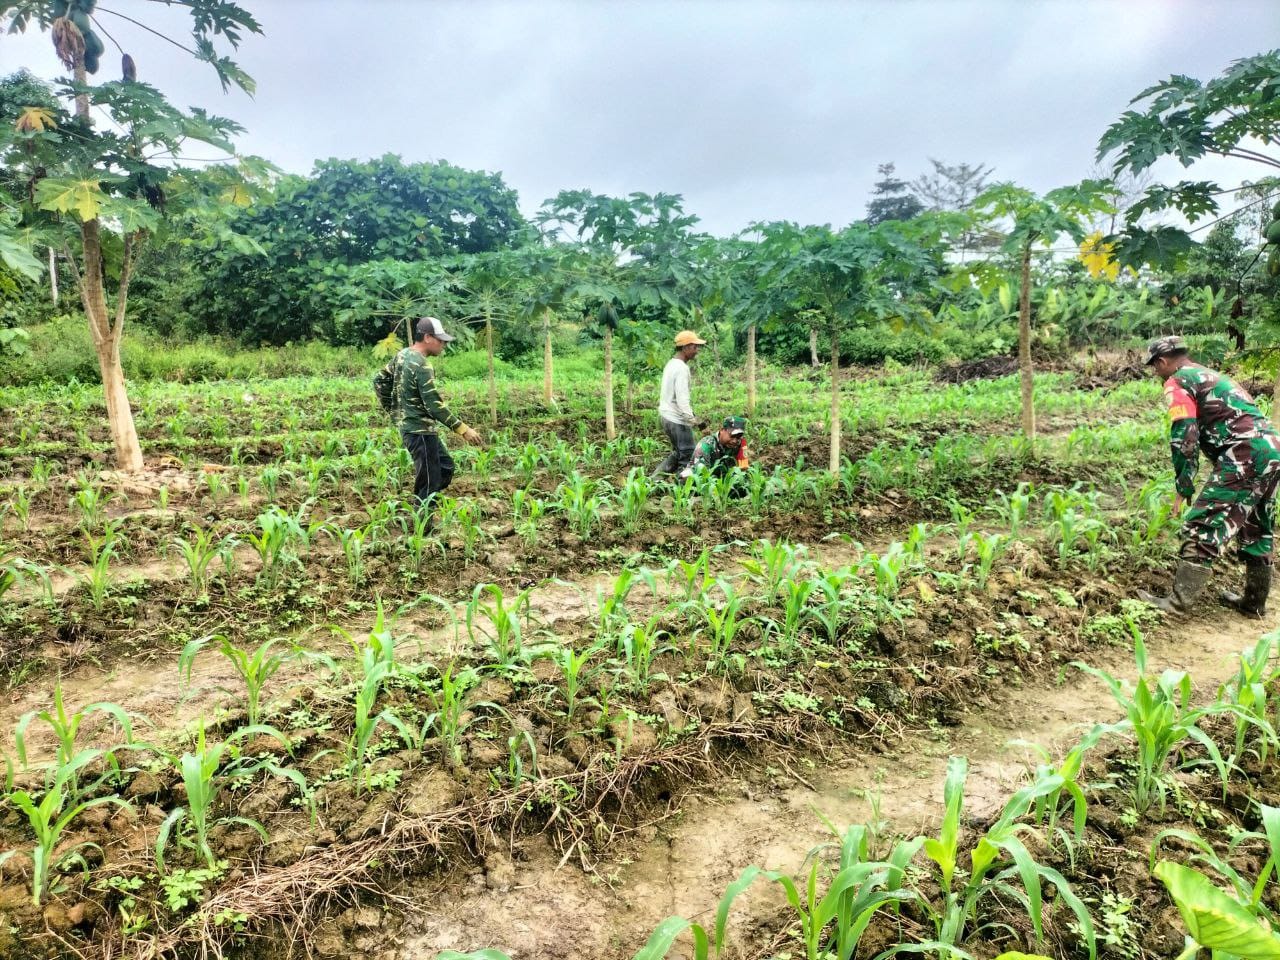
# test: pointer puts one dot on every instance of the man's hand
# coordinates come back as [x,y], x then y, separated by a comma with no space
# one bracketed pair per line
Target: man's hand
[700,423]
[471,436]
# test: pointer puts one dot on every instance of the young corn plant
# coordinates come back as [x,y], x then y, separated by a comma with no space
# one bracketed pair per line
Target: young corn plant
[1160,717]
[1248,691]
[1218,921]
[205,771]
[683,497]
[1250,893]
[580,504]
[498,624]
[773,565]
[574,674]
[198,552]
[789,629]
[452,712]
[887,569]
[97,582]
[830,605]
[723,621]
[418,539]
[527,513]
[858,888]
[65,726]
[633,498]
[1000,867]
[692,577]
[990,547]
[1013,509]
[354,542]
[49,814]
[640,645]
[255,666]
[367,721]
[274,543]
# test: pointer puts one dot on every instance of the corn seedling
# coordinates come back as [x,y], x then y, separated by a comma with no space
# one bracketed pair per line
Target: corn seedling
[254,666]
[830,605]
[1159,715]
[989,548]
[97,582]
[573,673]
[1012,509]
[640,644]
[527,511]
[693,577]
[1000,864]
[50,816]
[579,503]
[723,622]
[451,712]
[1247,691]
[205,770]
[198,552]
[494,622]
[633,498]
[418,538]
[775,564]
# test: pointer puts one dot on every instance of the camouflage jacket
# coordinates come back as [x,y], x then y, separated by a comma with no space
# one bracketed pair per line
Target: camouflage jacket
[1210,413]
[716,457]
[406,389]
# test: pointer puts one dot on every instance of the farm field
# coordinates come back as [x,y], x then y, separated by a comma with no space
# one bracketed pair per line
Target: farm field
[257,699]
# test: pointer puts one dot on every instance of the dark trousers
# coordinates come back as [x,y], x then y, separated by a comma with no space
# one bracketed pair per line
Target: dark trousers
[682,441]
[433,467]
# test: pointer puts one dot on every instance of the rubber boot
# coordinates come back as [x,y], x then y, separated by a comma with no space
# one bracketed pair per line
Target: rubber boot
[1189,582]
[1257,585]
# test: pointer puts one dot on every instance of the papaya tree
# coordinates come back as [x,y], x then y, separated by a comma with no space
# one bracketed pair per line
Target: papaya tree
[851,276]
[1037,220]
[489,285]
[638,259]
[98,194]
[1234,115]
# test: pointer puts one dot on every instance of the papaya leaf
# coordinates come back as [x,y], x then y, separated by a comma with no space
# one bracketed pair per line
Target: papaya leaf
[1213,919]
[82,197]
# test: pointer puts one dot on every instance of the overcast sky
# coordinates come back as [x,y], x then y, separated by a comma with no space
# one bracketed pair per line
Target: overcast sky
[752,111]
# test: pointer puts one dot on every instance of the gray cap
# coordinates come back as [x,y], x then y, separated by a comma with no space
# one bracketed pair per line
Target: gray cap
[431,327]
[1164,347]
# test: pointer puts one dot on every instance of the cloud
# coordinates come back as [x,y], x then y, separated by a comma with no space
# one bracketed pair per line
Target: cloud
[754,110]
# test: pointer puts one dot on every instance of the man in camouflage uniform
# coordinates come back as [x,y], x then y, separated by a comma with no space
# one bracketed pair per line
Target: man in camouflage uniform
[1209,412]
[406,389]
[722,451]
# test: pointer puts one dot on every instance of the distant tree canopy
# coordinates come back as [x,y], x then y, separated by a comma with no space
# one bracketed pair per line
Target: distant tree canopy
[891,198]
[345,214]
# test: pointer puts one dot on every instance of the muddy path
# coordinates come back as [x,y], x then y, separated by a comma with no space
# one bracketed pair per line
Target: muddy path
[772,816]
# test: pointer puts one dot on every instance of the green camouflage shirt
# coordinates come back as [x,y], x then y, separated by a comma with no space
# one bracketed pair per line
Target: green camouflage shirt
[406,388]
[1211,413]
[716,457]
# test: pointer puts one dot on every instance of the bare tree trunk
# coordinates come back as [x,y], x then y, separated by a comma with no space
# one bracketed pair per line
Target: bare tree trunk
[493,386]
[1024,347]
[106,342]
[835,404]
[751,370]
[53,276]
[106,335]
[813,347]
[408,330]
[546,358]
[610,428]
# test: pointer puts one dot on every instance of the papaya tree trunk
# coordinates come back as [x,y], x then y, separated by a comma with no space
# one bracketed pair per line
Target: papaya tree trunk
[630,407]
[493,386]
[610,429]
[53,276]
[546,358]
[1024,347]
[813,347]
[106,341]
[106,334]
[834,463]
[751,370]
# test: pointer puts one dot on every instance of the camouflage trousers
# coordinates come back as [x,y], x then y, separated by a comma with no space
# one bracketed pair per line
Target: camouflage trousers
[1232,506]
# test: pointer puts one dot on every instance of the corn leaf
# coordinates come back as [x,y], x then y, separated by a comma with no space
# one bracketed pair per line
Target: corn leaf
[1215,920]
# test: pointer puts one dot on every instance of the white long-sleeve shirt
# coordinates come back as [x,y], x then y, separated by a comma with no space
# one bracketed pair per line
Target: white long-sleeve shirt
[673,403]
